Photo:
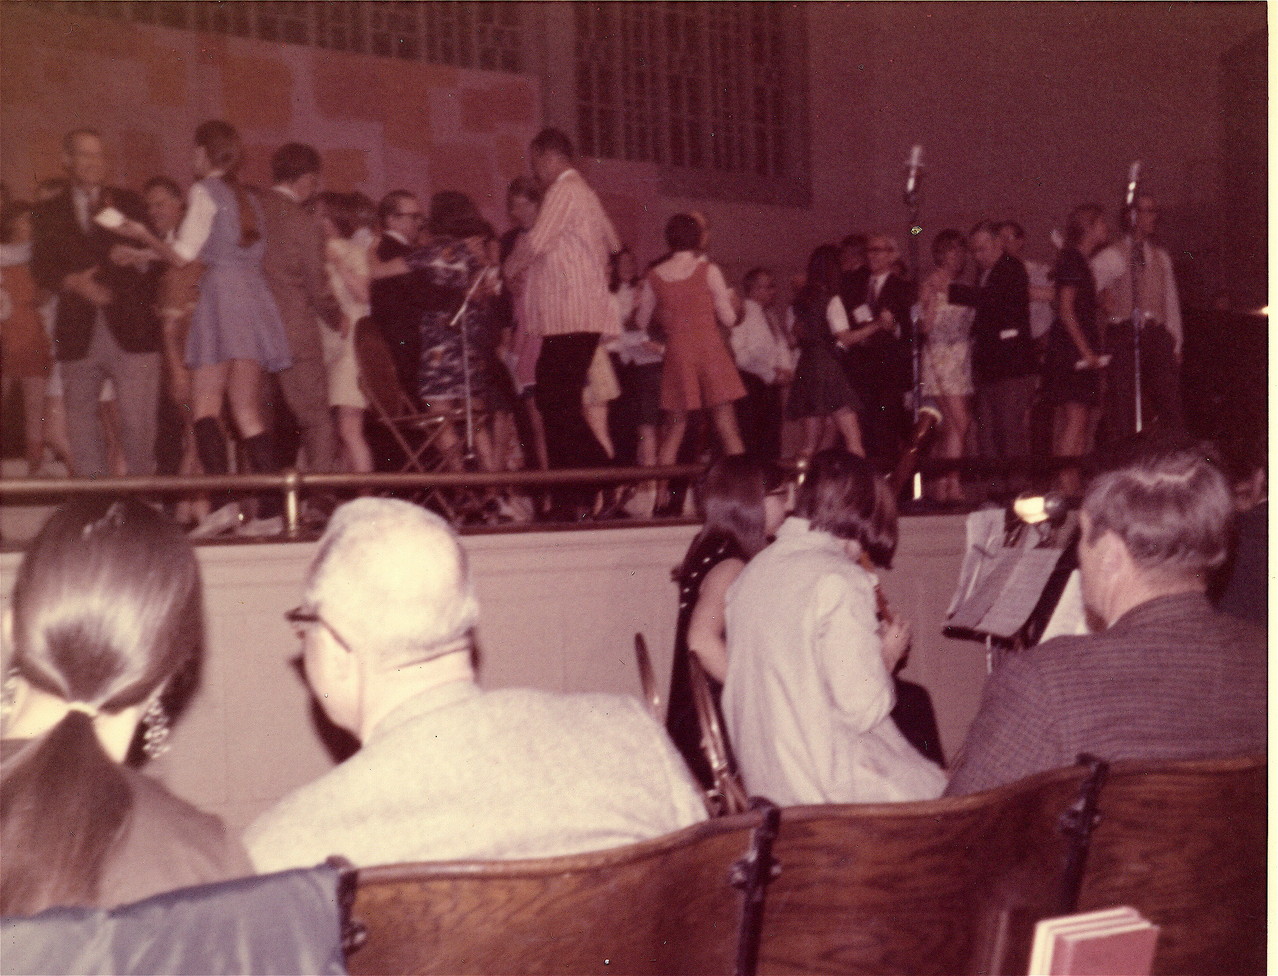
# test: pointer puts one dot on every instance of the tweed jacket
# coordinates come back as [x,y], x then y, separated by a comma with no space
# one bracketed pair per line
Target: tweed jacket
[1170,679]
[295,270]
[458,773]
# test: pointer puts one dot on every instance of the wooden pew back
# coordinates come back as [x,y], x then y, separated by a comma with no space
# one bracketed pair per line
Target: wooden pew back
[944,886]
[661,906]
[1184,844]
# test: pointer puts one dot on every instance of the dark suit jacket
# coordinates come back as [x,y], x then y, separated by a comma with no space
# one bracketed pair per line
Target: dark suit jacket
[295,269]
[882,352]
[397,304]
[59,248]
[1002,344]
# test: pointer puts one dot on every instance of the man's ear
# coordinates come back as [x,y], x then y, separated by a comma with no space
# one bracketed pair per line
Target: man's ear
[1112,553]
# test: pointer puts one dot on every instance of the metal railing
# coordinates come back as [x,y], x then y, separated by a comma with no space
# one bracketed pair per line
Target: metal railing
[294,484]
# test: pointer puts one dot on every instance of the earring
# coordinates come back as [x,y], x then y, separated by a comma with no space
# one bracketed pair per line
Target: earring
[155,735]
[8,692]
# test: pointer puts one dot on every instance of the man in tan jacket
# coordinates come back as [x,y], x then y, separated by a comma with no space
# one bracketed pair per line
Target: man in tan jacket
[294,265]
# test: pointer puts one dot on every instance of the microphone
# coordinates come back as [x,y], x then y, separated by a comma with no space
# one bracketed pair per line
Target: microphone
[914,174]
[1133,182]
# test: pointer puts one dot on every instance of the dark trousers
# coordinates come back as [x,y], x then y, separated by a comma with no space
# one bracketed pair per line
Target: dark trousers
[1002,423]
[879,378]
[1159,379]
[561,377]
[759,417]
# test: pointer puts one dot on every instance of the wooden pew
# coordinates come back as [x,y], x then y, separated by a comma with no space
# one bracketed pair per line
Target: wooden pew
[1184,843]
[662,906]
[946,886]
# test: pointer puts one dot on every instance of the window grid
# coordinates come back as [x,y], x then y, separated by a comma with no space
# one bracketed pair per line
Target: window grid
[486,34]
[691,85]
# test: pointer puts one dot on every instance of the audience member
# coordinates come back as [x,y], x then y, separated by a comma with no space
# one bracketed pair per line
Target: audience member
[947,356]
[688,296]
[1073,369]
[25,355]
[820,388]
[397,295]
[447,770]
[294,262]
[1168,677]
[809,693]
[346,261]
[744,501]
[566,303]
[106,326]
[1004,367]
[1161,335]
[877,299]
[766,365]
[106,618]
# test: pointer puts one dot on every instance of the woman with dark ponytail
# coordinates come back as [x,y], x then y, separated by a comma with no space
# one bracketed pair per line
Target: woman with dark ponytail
[236,331]
[106,616]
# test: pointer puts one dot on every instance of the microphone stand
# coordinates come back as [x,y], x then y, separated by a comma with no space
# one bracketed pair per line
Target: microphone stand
[913,185]
[1136,269]
[469,456]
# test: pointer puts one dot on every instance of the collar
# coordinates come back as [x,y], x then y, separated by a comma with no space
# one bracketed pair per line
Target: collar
[286,191]
[1179,604]
[396,235]
[431,700]
[797,533]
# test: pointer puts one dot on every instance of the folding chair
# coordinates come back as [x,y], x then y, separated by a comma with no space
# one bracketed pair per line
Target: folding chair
[428,439]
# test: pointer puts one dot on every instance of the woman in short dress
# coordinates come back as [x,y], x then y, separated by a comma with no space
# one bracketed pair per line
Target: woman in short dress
[744,501]
[25,353]
[820,388]
[451,262]
[348,275]
[947,356]
[236,333]
[689,297]
[1072,372]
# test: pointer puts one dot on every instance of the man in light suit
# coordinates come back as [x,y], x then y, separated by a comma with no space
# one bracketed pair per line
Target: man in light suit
[106,325]
[447,770]
[295,270]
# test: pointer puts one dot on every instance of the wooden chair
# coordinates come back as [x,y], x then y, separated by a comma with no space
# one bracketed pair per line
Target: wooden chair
[1184,844]
[945,886]
[427,439]
[661,906]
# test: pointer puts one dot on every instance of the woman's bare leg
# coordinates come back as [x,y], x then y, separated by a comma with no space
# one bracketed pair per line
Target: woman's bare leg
[724,417]
[850,428]
[350,429]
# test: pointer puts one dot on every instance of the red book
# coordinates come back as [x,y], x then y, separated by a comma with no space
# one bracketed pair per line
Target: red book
[1110,942]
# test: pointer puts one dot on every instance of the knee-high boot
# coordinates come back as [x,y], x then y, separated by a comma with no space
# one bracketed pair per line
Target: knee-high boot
[260,449]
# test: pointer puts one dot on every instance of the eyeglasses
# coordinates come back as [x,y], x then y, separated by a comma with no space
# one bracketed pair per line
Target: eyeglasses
[301,618]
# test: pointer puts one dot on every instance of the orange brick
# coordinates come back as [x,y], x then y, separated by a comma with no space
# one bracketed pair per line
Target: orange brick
[464,167]
[346,87]
[257,92]
[345,168]
[166,78]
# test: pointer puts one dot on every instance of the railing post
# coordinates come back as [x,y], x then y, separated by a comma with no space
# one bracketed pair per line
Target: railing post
[292,504]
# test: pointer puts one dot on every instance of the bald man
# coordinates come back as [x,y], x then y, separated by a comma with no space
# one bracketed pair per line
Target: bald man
[447,770]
